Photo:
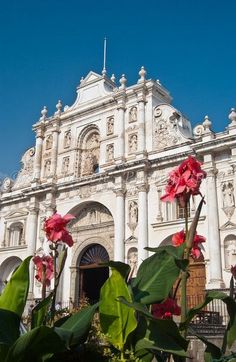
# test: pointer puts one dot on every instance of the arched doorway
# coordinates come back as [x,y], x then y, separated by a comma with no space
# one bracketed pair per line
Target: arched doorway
[7,268]
[92,275]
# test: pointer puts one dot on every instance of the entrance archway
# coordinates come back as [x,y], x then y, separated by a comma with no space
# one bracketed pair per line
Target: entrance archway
[92,275]
[7,268]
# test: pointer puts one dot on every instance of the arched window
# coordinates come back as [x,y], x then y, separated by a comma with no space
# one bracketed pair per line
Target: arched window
[16,234]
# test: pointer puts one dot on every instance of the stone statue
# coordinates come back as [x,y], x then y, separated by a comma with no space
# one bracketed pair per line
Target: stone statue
[67,139]
[65,165]
[133,261]
[133,214]
[110,152]
[87,163]
[133,114]
[228,195]
[110,126]
[230,253]
[49,142]
[133,143]
[94,141]
[47,168]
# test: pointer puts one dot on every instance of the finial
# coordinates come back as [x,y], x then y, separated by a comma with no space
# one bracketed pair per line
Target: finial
[232,116]
[59,108]
[44,113]
[123,81]
[206,124]
[104,72]
[158,81]
[81,80]
[113,78]
[142,73]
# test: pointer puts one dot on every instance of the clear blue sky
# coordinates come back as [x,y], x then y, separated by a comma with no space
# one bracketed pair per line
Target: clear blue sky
[46,46]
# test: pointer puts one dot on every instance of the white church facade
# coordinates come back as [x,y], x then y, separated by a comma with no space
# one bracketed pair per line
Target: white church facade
[106,159]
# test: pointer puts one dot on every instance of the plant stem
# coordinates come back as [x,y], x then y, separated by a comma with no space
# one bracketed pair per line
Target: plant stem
[52,310]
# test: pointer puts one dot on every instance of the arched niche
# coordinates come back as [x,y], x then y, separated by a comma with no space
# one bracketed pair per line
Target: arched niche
[7,268]
[88,151]
[16,232]
[229,251]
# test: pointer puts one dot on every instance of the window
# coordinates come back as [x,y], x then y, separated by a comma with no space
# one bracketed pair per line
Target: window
[180,212]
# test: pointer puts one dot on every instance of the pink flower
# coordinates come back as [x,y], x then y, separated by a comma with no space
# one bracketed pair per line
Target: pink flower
[44,267]
[179,238]
[166,309]
[55,228]
[233,271]
[184,181]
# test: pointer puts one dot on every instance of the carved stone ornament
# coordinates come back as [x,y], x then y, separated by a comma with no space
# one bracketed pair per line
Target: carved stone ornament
[92,215]
[133,142]
[198,130]
[132,259]
[7,184]
[169,127]
[133,114]
[133,215]
[26,173]
[228,198]
[110,126]
[110,152]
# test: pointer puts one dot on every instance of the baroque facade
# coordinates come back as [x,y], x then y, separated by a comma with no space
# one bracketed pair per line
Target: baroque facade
[106,159]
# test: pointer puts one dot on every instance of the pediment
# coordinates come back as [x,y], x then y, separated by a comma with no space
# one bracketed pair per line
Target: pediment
[91,77]
[17,214]
[131,239]
[228,225]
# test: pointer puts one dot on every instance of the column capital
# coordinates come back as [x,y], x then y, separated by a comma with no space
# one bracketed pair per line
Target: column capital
[40,131]
[211,172]
[143,187]
[120,191]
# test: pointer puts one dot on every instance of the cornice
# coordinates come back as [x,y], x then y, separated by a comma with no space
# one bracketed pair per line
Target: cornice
[224,142]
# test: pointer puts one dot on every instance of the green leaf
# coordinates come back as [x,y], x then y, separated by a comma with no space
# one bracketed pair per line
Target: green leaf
[155,278]
[40,311]
[32,346]
[78,325]
[15,293]
[230,335]
[122,268]
[117,320]
[163,335]
[9,327]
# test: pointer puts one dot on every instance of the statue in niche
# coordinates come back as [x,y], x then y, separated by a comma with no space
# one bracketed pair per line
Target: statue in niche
[49,142]
[87,163]
[110,152]
[67,139]
[65,165]
[92,216]
[228,199]
[133,114]
[94,141]
[133,215]
[133,143]
[230,253]
[47,168]
[110,126]
[133,262]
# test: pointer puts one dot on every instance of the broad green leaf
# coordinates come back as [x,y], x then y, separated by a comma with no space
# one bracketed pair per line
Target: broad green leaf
[117,320]
[40,311]
[79,324]
[176,252]
[15,293]
[9,327]
[230,335]
[122,268]
[32,346]
[163,335]
[155,278]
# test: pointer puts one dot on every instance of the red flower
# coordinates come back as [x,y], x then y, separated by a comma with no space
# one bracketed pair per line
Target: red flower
[233,271]
[184,181]
[179,238]
[166,309]
[55,228]
[44,266]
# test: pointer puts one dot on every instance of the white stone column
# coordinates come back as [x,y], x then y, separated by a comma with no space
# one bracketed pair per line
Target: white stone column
[55,150]
[213,239]
[119,242]
[38,153]
[31,238]
[141,126]
[142,222]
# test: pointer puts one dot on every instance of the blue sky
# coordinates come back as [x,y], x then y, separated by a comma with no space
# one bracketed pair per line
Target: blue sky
[47,46]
